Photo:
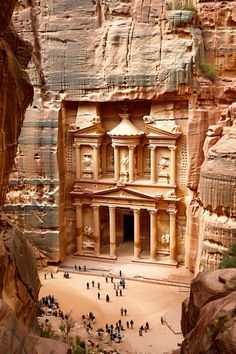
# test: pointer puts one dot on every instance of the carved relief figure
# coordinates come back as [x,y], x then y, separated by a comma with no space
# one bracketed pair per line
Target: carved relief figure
[148,119]
[88,240]
[124,162]
[88,231]
[164,163]
[165,239]
[87,160]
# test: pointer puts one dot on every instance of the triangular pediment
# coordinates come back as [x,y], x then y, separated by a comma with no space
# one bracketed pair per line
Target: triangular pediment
[161,133]
[122,192]
[92,130]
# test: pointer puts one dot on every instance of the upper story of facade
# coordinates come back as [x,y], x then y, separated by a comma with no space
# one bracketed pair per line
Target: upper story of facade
[126,150]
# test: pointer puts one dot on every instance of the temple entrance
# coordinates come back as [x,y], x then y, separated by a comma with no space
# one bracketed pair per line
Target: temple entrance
[128,227]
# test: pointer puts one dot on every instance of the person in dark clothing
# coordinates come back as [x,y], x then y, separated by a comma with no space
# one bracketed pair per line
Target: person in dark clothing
[107,298]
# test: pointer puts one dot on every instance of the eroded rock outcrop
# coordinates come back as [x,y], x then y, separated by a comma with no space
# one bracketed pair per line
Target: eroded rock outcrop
[16,339]
[218,193]
[16,92]
[104,52]
[209,316]
[19,282]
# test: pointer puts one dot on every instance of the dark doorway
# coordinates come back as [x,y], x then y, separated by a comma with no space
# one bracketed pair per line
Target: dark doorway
[128,228]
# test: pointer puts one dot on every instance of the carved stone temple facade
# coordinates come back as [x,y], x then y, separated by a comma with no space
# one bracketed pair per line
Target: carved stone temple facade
[90,58]
[125,187]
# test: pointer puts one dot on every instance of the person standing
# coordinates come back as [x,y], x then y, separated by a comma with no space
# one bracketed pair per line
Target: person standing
[106,280]
[120,273]
[93,283]
[111,279]
[75,267]
[125,312]
[45,276]
[120,292]
[121,311]
[87,286]
[117,293]
[98,286]
[127,324]
[131,323]
[107,298]
[85,268]
[99,296]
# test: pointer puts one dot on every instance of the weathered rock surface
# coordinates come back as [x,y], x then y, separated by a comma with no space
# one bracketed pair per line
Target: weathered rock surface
[108,51]
[208,316]
[16,91]
[19,282]
[14,337]
[218,194]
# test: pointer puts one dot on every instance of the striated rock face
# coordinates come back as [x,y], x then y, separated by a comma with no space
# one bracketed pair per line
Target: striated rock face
[19,279]
[218,194]
[208,316]
[15,337]
[16,91]
[90,56]
[19,282]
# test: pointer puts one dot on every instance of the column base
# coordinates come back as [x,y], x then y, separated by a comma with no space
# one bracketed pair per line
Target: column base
[135,258]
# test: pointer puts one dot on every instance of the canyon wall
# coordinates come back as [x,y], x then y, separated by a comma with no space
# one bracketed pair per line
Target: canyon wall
[19,282]
[91,56]
[208,316]
[18,285]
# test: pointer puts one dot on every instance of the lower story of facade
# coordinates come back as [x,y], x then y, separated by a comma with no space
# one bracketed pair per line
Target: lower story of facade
[122,222]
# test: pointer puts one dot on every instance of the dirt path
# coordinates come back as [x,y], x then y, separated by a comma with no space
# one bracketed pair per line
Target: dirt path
[144,302]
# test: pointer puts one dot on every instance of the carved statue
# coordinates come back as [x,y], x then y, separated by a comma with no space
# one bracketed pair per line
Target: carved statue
[124,162]
[163,163]
[148,119]
[88,231]
[96,120]
[176,129]
[73,126]
[165,239]
[87,160]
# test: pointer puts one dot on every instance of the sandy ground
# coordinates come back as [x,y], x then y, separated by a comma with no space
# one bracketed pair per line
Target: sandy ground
[144,302]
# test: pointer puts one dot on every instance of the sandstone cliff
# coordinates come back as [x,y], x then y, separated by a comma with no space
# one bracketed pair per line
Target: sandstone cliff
[102,53]
[19,282]
[209,316]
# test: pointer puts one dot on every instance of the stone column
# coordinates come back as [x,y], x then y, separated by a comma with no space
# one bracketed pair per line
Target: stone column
[172,235]
[77,162]
[153,234]
[153,163]
[131,163]
[112,217]
[172,164]
[104,161]
[116,163]
[96,229]
[95,161]
[79,228]
[137,241]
